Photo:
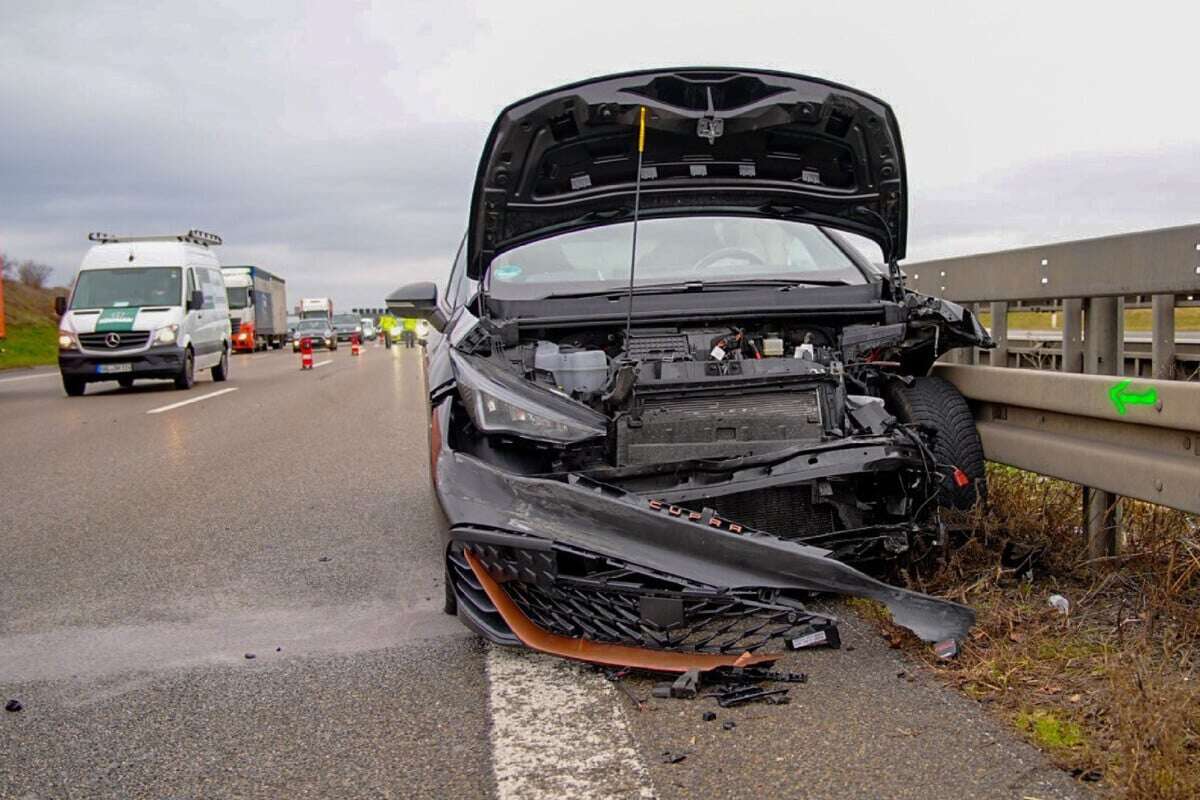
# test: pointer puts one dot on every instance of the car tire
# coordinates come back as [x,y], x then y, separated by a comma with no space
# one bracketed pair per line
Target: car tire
[125,383]
[936,405]
[187,373]
[74,387]
[220,372]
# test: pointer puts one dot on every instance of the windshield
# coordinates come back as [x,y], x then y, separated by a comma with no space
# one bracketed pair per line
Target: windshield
[676,250]
[238,296]
[345,319]
[312,325]
[127,288]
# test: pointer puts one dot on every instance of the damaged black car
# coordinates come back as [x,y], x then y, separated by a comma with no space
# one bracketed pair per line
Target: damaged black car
[669,400]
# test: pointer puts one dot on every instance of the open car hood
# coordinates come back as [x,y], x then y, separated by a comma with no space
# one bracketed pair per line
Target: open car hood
[718,140]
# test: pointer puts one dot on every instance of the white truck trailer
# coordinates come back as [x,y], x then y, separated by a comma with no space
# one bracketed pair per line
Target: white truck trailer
[257,308]
[316,308]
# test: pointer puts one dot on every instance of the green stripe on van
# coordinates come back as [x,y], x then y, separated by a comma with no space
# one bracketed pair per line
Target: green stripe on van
[116,319]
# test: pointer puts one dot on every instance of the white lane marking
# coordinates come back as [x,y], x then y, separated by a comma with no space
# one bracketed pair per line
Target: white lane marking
[208,396]
[323,363]
[558,731]
[29,377]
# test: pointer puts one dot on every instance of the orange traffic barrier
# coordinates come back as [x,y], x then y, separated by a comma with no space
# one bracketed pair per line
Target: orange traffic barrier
[306,353]
[354,344]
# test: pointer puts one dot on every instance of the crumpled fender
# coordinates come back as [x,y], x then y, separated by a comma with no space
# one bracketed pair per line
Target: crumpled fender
[623,526]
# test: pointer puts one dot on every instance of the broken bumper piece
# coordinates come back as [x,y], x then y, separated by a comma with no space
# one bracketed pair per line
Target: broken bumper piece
[570,565]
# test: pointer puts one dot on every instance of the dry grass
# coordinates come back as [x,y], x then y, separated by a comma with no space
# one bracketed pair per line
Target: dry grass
[1136,319]
[1111,691]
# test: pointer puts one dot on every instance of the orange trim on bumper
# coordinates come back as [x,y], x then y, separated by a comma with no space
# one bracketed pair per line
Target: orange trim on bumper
[615,655]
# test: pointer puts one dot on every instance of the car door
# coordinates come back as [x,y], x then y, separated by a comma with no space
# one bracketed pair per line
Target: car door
[206,340]
[193,318]
[220,311]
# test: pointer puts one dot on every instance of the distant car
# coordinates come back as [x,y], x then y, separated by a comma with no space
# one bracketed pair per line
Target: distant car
[369,329]
[318,330]
[346,325]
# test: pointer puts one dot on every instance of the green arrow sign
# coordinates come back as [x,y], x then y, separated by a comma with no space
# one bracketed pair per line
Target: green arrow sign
[1122,397]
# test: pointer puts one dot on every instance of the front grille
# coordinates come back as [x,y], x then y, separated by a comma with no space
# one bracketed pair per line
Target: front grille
[235,324]
[128,340]
[608,602]
[786,511]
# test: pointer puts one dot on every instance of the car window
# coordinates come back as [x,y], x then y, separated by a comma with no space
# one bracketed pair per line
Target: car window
[191,283]
[693,248]
[454,284]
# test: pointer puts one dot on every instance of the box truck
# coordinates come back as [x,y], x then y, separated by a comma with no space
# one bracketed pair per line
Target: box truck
[257,308]
[316,308]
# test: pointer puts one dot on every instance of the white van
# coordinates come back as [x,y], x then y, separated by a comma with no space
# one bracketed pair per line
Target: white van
[145,307]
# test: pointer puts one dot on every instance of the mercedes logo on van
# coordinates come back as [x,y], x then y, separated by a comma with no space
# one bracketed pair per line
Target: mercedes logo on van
[113,340]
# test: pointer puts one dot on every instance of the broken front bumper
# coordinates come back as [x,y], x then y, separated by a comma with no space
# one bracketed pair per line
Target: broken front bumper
[587,562]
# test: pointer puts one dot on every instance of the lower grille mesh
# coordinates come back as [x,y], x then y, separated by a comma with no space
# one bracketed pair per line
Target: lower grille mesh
[618,604]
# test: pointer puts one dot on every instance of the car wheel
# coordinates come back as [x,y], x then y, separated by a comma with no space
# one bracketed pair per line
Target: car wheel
[221,371]
[74,387]
[125,383]
[936,405]
[187,374]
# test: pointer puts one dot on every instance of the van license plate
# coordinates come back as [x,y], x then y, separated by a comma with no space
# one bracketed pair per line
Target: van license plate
[105,369]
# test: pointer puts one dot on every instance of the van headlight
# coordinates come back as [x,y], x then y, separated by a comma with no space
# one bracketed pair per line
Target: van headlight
[67,341]
[500,402]
[167,334]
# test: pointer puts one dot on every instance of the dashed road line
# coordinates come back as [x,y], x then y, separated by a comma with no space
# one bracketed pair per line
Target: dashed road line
[323,363]
[558,731]
[208,396]
[29,377]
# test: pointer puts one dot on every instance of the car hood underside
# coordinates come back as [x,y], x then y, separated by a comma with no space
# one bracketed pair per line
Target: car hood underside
[716,140]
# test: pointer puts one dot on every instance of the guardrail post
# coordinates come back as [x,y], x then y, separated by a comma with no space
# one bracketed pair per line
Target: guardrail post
[1072,335]
[1103,356]
[999,356]
[1163,335]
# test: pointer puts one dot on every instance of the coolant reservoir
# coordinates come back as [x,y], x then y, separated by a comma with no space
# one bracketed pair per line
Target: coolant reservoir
[573,370]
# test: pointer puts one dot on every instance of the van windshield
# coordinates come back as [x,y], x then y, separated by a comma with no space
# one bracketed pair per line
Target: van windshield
[128,288]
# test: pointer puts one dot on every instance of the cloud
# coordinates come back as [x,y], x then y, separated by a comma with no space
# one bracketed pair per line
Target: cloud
[336,143]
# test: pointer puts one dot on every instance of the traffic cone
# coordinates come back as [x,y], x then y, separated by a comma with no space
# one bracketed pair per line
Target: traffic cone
[306,353]
[354,344]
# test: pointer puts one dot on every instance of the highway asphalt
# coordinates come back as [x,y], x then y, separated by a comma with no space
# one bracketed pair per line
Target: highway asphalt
[148,548]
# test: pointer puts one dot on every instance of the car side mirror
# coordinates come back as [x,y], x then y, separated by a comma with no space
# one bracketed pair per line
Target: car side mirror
[195,300]
[418,300]
[60,305]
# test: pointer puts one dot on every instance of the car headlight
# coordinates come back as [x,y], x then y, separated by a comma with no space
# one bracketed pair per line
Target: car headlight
[67,341]
[242,337]
[502,402]
[166,334]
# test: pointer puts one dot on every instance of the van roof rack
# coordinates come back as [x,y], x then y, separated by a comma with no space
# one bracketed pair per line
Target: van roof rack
[192,236]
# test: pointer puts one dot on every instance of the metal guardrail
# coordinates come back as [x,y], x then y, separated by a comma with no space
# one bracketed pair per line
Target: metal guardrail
[1068,427]
[1043,350]
[1056,423]
[1164,261]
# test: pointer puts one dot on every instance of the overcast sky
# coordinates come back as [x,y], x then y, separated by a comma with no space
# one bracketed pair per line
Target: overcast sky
[335,143]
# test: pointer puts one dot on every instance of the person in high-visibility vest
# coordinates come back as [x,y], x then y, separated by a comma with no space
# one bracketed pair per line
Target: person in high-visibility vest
[386,323]
[410,331]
